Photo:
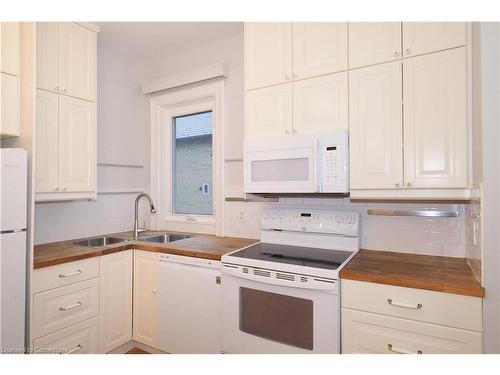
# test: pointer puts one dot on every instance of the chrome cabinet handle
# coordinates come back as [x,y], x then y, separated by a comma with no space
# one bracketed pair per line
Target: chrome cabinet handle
[407,51]
[401,351]
[75,349]
[70,307]
[404,305]
[396,53]
[63,275]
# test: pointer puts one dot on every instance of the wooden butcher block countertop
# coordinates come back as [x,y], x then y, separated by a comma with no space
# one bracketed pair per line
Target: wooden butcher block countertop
[441,274]
[199,246]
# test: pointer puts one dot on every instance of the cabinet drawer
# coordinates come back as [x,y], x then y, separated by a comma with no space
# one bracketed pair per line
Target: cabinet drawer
[82,338]
[372,333]
[59,308]
[433,307]
[65,274]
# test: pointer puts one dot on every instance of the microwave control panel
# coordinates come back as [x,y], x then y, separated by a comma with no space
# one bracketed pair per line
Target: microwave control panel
[334,163]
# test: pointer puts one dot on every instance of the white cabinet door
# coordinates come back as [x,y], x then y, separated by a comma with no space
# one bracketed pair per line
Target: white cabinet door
[145,325]
[47,56]
[373,43]
[435,120]
[47,142]
[376,150]
[269,111]
[77,61]
[190,309]
[76,145]
[9,105]
[116,300]
[268,53]
[320,104]
[10,57]
[425,37]
[319,48]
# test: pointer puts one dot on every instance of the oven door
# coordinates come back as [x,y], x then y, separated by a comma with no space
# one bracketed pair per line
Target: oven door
[281,165]
[270,317]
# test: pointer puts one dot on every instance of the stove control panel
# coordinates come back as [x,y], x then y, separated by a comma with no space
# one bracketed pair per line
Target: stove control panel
[344,223]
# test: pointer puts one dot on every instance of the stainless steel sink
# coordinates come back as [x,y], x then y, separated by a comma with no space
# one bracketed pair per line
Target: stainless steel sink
[99,241]
[164,238]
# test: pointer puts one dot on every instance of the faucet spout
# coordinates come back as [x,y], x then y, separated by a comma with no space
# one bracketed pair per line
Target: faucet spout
[136,218]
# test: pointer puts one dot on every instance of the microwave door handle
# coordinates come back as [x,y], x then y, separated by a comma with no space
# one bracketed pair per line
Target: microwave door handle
[317,160]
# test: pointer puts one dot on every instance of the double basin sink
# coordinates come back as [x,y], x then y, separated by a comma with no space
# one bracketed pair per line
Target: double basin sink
[163,237]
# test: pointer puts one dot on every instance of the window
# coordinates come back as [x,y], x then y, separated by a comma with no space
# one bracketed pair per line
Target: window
[192,164]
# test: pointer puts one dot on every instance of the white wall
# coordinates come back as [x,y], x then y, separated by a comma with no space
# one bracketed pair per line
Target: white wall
[122,156]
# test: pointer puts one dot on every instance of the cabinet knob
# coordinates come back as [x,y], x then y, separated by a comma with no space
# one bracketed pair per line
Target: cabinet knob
[294,131]
[397,184]
[57,88]
[287,132]
[294,75]
[56,189]
[396,53]
[409,184]
[408,51]
[63,90]
[64,188]
[155,291]
[287,77]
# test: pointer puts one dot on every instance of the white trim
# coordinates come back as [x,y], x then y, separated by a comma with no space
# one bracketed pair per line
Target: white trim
[193,76]
[425,194]
[204,97]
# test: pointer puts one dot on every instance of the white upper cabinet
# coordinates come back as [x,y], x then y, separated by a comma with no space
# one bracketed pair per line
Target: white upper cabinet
[426,37]
[76,145]
[66,59]
[376,149]
[435,120]
[269,111]
[319,48]
[77,61]
[47,56]
[320,104]
[47,142]
[10,57]
[373,43]
[268,53]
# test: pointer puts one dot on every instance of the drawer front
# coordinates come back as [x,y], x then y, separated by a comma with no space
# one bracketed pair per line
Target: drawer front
[65,274]
[433,307]
[59,308]
[372,333]
[82,338]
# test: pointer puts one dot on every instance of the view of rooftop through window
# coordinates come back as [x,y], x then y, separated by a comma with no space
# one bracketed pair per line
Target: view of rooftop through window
[192,169]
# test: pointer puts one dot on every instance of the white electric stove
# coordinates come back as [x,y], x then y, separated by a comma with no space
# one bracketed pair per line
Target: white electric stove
[282,295]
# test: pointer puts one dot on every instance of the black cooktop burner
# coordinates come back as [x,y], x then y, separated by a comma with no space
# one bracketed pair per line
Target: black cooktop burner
[296,255]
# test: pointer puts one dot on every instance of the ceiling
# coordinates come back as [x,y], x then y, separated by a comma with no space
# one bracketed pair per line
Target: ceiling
[149,40]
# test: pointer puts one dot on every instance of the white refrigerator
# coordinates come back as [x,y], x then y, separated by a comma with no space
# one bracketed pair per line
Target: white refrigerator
[13,204]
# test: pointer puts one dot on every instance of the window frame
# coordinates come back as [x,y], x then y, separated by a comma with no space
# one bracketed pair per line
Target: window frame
[164,108]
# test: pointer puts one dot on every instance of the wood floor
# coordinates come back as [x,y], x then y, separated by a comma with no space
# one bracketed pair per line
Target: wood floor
[137,351]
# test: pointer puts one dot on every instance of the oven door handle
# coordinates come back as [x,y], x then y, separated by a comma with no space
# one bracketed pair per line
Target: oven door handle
[313,283]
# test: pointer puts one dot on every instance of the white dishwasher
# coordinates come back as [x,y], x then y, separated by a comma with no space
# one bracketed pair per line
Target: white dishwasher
[190,305]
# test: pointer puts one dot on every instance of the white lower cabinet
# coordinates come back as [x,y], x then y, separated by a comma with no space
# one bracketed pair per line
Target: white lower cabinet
[115,300]
[380,318]
[82,338]
[365,333]
[145,310]
[190,305]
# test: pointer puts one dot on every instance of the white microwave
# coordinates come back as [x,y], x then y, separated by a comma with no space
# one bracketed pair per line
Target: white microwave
[313,163]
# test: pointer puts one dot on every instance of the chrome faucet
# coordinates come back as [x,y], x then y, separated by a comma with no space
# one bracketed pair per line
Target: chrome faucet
[136,220]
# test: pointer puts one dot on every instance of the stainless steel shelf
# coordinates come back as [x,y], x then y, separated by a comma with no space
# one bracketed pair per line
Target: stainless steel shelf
[417,213]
